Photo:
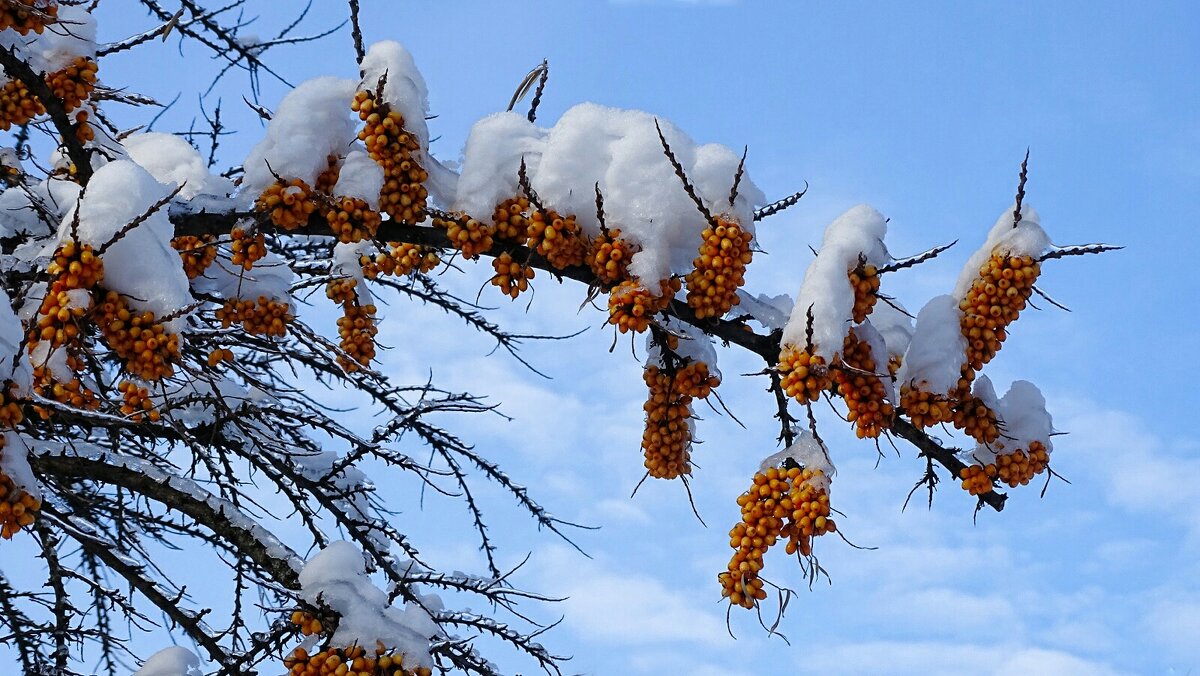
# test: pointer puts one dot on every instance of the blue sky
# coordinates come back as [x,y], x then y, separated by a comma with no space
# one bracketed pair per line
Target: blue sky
[924,111]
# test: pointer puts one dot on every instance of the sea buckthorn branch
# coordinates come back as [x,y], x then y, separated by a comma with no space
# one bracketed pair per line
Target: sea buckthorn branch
[730,331]
[25,633]
[19,70]
[165,491]
[134,573]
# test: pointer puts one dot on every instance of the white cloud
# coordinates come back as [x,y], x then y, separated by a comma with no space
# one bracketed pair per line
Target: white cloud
[623,606]
[937,658]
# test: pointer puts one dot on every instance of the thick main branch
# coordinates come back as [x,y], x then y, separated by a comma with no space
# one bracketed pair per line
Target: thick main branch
[190,502]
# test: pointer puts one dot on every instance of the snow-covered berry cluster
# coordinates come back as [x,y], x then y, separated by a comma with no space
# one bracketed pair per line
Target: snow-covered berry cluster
[782,502]
[396,150]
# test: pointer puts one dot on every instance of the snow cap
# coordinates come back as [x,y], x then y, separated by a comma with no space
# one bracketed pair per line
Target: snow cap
[826,286]
[174,162]
[404,89]
[360,177]
[1026,239]
[492,160]
[312,122]
[141,266]
[173,661]
[337,577]
[621,151]
[933,362]
[807,451]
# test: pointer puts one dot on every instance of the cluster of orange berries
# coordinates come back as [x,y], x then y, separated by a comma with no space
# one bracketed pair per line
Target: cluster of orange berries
[803,376]
[17,507]
[608,257]
[247,249]
[925,409]
[511,277]
[17,104]
[1018,468]
[289,203]
[352,220]
[865,395]
[864,279]
[308,623]
[74,271]
[401,258]
[83,131]
[976,418]
[142,343]
[994,301]
[719,270]
[631,305]
[356,327]
[357,330]
[328,178]
[197,253]
[668,436]
[342,290]
[395,150]
[977,479]
[72,392]
[10,410]
[258,317]
[468,235]
[136,403]
[218,356]
[25,16]
[76,266]
[557,238]
[786,503]
[74,84]
[510,220]
[1015,469]
[353,661]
